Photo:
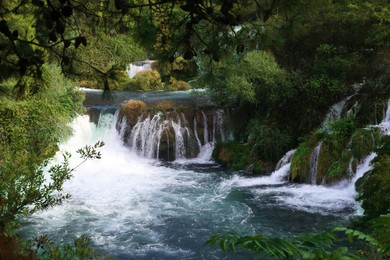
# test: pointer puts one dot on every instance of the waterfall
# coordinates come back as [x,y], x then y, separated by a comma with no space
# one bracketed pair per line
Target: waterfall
[169,136]
[134,68]
[285,159]
[205,129]
[196,133]
[385,124]
[313,165]
[220,126]
[335,112]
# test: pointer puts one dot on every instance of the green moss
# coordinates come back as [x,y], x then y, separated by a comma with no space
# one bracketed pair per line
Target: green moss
[300,162]
[374,188]
[232,154]
[363,141]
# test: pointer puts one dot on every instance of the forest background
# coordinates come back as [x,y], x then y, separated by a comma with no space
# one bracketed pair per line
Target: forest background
[281,64]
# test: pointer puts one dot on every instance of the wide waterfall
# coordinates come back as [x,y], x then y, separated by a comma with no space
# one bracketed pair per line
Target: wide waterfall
[173,135]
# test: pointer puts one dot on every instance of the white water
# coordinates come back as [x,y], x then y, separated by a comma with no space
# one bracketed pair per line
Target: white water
[313,164]
[385,124]
[135,208]
[335,112]
[133,69]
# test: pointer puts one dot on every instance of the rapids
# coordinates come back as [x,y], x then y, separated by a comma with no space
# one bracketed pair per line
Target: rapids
[133,207]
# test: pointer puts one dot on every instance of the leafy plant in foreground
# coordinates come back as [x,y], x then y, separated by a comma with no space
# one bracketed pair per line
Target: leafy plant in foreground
[311,246]
[24,192]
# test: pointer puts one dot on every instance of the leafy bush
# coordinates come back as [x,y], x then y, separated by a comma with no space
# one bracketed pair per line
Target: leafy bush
[164,105]
[300,162]
[363,141]
[232,155]
[374,188]
[80,249]
[268,143]
[132,110]
[146,81]
[174,85]
[325,245]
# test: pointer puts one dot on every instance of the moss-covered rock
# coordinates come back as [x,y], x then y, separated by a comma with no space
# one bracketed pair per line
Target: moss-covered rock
[300,162]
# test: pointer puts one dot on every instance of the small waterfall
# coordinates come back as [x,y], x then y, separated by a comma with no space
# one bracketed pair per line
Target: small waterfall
[169,136]
[385,124]
[146,135]
[335,112]
[285,159]
[313,165]
[205,128]
[220,128]
[196,134]
[134,68]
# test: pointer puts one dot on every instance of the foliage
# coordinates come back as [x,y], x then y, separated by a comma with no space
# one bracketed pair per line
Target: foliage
[237,156]
[380,230]
[255,77]
[363,141]
[165,105]
[174,85]
[374,188]
[300,162]
[325,245]
[312,246]
[28,190]
[80,249]
[268,143]
[108,53]
[232,155]
[146,81]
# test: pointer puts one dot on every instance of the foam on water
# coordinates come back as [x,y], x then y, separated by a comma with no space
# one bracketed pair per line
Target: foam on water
[136,208]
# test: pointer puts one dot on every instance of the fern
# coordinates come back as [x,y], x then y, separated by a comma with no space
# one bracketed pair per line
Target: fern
[380,230]
[311,246]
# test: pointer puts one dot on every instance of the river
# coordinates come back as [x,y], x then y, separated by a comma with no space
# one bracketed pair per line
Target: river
[138,208]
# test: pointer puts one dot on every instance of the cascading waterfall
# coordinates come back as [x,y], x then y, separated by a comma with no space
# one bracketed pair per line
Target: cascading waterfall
[169,136]
[135,208]
[385,124]
[313,164]
[285,159]
[335,112]
[205,128]
[309,197]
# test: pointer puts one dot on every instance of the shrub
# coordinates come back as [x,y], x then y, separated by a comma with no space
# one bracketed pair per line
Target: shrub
[132,110]
[164,105]
[232,155]
[300,162]
[146,81]
[363,141]
[374,188]
[268,143]
[175,84]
